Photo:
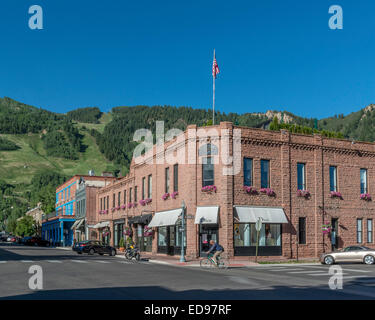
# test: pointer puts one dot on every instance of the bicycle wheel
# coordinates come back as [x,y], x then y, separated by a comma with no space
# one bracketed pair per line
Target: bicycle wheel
[128,255]
[223,264]
[206,264]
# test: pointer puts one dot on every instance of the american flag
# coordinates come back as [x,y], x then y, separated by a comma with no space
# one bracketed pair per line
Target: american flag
[215,67]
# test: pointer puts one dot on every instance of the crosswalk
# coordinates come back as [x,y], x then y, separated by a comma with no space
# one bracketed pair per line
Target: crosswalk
[74,261]
[318,271]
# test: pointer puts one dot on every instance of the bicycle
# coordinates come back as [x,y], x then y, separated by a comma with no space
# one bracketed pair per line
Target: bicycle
[209,263]
[132,252]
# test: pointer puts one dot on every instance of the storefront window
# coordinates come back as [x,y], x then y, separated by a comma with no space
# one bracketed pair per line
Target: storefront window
[162,236]
[245,235]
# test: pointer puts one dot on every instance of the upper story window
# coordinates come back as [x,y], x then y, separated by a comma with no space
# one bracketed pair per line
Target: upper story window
[264,173]
[119,199]
[364,188]
[114,200]
[143,187]
[124,196]
[208,172]
[301,176]
[149,194]
[332,178]
[247,172]
[130,194]
[135,193]
[166,180]
[175,177]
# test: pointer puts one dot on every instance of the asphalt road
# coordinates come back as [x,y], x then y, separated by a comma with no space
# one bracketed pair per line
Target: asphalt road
[67,275]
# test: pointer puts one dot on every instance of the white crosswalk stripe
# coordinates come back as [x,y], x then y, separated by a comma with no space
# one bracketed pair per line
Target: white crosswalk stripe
[101,261]
[323,274]
[27,261]
[79,261]
[54,261]
[352,277]
[285,270]
[3,261]
[309,271]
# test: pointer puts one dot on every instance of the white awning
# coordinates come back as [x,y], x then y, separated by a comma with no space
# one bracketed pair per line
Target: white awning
[77,224]
[165,218]
[100,225]
[245,214]
[206,215]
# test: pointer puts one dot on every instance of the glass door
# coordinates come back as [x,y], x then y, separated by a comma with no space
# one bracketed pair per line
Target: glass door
[206,234]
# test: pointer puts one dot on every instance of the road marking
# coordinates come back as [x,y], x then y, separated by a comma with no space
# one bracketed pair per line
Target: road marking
[27,261]
[101,261]
[356,270]
[54,261]
[79,261]
[322,274]
[310,271]
[285,269]
[351,277]
[3,261]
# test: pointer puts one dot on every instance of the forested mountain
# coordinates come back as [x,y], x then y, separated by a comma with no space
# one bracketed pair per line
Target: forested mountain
[39,149]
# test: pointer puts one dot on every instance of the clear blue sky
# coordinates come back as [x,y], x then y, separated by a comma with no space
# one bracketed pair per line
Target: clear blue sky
[272,55]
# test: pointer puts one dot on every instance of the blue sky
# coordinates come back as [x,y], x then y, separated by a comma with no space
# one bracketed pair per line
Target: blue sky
[272,55]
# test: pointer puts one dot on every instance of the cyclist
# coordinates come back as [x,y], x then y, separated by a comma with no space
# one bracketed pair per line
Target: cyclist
[216,249]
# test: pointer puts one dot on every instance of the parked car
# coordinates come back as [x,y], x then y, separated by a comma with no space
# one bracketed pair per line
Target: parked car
[12,239]
[4,237]
[25,240]
[350,254]
[37,241]
[91,247]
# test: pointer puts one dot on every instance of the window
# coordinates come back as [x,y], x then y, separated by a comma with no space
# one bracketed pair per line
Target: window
[101,203]
[107,202]
[363,181]
[301,176]
[245,235]
[135,193]
[149,195]
[208,172]
[175,177]
[369,230]
[332,178]
[302,230]
[130,194]
[264,173]
[359,230]
[143,187]
[162,236]
[114,200]
[124,196]
[166,180]
[119,199]
[247,172]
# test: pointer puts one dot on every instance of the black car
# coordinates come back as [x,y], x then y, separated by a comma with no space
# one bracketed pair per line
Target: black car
[25,240]
[37,241]
[91,247]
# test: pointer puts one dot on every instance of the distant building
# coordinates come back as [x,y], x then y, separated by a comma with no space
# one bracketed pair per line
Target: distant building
[57,226]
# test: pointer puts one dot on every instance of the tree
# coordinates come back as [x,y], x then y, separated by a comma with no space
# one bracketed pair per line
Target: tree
[25,227]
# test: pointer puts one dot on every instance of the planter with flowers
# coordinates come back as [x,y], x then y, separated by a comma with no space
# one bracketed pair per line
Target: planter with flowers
[365,197]
[142,202]
[165,196]
[122,245]
[303,194]
[336,195]
[128,232]
[105,233]
[148,200]
[250,190]
[268,191]
[113,209]
[209,189]
[326,228]
[130,205]
[148,232]
[174,194]
[123,207]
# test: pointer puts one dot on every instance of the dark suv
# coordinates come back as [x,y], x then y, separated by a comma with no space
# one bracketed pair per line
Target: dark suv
[92,246]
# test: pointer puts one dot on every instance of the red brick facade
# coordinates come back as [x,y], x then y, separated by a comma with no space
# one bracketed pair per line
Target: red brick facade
[284,151]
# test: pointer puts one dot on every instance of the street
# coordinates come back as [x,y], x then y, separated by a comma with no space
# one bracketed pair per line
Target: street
[67,275]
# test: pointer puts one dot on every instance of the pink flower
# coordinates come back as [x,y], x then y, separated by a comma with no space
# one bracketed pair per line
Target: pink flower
[142,202]
[130,205]
[165,196]
[365,196]
[303,193]
[174,194]
[123,206]
[209,188]
[268,191]
[250,190]
[148,200]
[335,194]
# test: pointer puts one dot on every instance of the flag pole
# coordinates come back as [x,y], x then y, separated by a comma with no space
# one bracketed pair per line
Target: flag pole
[213,97]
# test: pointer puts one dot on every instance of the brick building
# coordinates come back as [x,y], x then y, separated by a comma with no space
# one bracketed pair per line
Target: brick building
[295,184]
[57,225]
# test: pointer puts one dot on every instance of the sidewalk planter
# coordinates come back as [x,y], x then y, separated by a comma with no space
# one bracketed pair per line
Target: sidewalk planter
[303,194]
[165,196]
[268,191]
[209,189]
[148,232]
[336,194]
[365,197]
[174,195]
[250,190]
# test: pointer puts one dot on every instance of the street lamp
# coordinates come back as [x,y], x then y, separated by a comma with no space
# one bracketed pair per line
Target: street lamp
[183,207]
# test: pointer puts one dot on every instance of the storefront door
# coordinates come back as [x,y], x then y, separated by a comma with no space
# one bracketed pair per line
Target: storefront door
[207,232]
[170,240]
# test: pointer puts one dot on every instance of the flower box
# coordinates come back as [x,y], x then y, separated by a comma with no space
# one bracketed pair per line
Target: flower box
[123,206]
[113,209]
[326,228]
[142,202]
[250,190]
[365,197]
[128,232]
[130,205]
[268,191]
[335,194]
[303,194]
[209,189]
[165,196]
[148,200]
[148,232]
[174,195]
